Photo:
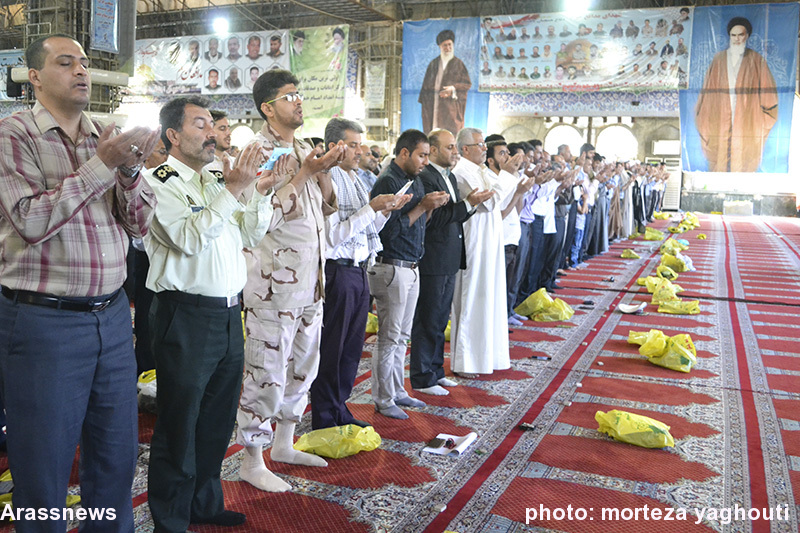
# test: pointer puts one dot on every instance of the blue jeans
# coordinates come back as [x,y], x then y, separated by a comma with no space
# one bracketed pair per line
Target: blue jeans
[575,249]
[70,377]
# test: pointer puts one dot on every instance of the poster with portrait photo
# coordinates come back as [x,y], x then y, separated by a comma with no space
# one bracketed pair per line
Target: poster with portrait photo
[745,130]
[456,102]
[622,50]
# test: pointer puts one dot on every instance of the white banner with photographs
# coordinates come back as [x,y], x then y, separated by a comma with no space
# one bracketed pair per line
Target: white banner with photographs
[632,49]
[207,64]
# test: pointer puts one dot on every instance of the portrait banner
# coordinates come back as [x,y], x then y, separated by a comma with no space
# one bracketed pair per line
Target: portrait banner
[375,84]
[736,114]
[624,50]
[105,26]
[440,73]
[319,60]
[207,64]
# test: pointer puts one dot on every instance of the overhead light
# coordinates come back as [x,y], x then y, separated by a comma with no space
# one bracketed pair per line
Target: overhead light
[221,25]
[241,134]
[577,7]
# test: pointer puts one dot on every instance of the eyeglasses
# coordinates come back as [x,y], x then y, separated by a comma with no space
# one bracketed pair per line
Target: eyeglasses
[290,97]
[479,145]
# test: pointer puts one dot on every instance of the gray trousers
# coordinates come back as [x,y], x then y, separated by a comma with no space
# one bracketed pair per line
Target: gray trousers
[395,290]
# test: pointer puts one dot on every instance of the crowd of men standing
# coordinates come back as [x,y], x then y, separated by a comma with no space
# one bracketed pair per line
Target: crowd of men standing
[455,226]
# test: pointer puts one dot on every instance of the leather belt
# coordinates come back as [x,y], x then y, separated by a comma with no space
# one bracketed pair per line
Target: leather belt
[217,302]
[395,262]
[67,303]
[348,263]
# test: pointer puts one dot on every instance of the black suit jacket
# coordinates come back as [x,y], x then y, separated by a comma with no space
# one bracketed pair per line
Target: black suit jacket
[444,235]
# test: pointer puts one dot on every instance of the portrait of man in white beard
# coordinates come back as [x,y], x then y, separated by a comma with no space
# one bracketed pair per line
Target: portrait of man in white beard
[738,105]
[444,89]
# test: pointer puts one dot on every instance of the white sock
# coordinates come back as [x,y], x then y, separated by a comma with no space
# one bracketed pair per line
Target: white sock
[283,450]
[435,390]
[255,472]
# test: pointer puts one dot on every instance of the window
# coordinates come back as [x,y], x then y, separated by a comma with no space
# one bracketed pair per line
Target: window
[617,143]
[563,134]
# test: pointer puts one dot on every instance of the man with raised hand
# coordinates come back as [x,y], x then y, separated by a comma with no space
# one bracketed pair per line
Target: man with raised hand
[353,243]
[72,196]
[444,256]
[197,270]
[285,287]
[394,279]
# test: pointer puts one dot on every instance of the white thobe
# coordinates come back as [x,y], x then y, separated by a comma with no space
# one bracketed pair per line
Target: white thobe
[479,327]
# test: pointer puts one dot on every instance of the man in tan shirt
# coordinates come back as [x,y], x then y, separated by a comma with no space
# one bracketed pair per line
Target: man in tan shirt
[284,290]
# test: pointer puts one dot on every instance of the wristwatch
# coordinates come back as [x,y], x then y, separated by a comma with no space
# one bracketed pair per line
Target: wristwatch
[129,172]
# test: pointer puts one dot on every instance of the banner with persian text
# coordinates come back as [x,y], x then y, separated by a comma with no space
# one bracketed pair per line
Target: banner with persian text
[319,60]
[627,50]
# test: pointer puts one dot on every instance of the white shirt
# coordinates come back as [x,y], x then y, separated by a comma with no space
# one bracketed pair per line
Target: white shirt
[545,205]
[342,230]
[198,232]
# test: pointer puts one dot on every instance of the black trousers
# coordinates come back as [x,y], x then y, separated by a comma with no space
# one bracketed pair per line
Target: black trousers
[142,299]
[427,330]
[553,259]
[344,320]
[199,353]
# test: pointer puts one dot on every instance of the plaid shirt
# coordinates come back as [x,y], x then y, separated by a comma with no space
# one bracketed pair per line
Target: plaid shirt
[63,215]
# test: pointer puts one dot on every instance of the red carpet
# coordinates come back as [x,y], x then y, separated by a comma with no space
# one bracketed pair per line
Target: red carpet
[735,418]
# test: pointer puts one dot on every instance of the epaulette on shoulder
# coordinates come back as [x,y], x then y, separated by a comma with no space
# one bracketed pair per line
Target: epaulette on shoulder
[164,172]
[217,174]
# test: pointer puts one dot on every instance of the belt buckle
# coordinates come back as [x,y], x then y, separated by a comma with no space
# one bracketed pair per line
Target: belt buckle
[96,307]
[233,300]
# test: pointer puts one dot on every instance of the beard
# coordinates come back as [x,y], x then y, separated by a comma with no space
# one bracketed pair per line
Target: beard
[737,49]
[446,57]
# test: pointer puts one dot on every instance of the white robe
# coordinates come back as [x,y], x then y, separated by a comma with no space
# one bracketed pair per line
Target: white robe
[479,327]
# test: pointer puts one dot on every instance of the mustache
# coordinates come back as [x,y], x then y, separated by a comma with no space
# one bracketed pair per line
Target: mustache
[210,143]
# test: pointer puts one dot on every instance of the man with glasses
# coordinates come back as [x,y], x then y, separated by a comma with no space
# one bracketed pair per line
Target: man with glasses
[285,287]
[479,330]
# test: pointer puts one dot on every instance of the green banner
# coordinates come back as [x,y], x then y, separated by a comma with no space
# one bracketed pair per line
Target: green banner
[319,60]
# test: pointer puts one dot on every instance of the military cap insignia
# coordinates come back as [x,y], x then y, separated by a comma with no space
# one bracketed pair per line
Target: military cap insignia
[218,174]
[165,172]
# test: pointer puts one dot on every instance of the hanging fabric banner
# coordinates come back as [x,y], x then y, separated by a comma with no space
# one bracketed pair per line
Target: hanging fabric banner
[375,84]
[319,60]
[440,70]
[628,50]
[736,115]
[105,24]
[208,63]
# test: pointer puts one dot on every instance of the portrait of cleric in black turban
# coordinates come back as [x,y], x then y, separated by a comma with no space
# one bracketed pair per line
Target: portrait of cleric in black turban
[443,96]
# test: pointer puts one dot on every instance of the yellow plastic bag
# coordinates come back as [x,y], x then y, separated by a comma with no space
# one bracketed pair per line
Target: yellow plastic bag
[664,292]
[651,234]
[702,236]
[627,253]
[634,235]
[147,376]
[680,307]
[338,442]
[663,271]
[671,246]
[650,343]
[447,332]
[5,499]
[691,221]
[534,303]
[372,323]
[676,352]
[634,429]
[675,262]
[676,229]
[556,311]
[660,216]
[642,281]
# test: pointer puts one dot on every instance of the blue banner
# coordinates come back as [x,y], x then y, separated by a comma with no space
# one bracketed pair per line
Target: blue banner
[751,48]
[440,76]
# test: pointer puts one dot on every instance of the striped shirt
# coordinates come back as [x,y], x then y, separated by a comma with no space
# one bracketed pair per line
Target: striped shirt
[64,219]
